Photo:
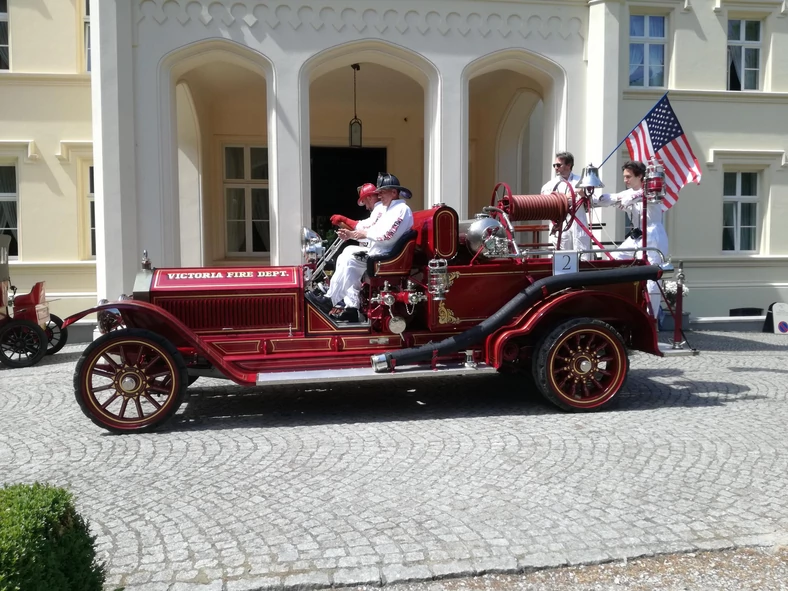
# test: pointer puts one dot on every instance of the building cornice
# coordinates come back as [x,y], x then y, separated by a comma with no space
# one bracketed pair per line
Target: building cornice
[722,96]
[26,147]
[70,148]
[43,79]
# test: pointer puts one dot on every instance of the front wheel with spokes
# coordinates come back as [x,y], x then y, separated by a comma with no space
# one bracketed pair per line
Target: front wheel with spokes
[581,365]
[130,380]
[56,334]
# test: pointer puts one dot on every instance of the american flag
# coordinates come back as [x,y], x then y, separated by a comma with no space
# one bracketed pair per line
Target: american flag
[660,134]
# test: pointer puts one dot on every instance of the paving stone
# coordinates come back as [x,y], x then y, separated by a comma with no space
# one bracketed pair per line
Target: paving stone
[291,487]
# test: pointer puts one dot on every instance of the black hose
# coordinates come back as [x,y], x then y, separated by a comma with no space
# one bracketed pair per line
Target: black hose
[533,293]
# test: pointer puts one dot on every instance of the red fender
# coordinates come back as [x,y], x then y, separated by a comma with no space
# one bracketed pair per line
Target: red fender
[636,325]
[138,314]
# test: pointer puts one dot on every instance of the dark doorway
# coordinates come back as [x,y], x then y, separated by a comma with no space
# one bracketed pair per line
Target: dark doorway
[336,173]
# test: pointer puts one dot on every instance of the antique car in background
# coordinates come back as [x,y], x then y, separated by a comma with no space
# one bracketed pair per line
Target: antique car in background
[28,331]
[452,297]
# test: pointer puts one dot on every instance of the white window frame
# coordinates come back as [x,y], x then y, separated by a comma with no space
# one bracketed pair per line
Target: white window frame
[247,184]
[4,18]
[745,45]
[90,198]
[86,35]
[5,197]
[647,41]
[738,199]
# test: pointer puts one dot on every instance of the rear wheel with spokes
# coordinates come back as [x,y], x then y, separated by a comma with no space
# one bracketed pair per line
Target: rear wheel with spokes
[581,365]
[56,334]
[22,343]
[130,380]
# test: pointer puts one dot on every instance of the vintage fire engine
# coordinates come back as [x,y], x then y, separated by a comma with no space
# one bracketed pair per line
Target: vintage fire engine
[452,297]
[28,331]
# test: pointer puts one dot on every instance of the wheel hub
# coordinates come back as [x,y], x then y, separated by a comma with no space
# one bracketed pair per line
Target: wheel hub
[129,383]
[583,366]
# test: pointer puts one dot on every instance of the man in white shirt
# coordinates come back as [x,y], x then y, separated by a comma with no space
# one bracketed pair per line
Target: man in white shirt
[574,238]
[395,221]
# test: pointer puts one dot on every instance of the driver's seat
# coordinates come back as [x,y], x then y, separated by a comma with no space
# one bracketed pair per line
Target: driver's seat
[397,261]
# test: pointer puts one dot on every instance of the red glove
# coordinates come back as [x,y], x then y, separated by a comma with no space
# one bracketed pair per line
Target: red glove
[338,220]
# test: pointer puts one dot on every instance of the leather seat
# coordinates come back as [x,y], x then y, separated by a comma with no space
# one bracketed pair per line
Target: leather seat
[398,260]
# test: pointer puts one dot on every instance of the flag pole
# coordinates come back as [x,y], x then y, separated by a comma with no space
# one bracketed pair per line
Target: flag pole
[633,129]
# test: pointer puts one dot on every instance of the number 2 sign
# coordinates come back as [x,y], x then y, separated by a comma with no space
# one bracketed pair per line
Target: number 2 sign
[565,261]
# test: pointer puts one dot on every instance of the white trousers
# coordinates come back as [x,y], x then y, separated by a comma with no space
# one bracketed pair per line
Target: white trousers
[652,286]
[346,281]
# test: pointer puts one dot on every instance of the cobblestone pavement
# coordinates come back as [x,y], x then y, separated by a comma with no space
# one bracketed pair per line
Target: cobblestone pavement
[367,484]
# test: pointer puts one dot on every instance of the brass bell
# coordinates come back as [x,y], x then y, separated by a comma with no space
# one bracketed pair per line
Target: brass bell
[589,178]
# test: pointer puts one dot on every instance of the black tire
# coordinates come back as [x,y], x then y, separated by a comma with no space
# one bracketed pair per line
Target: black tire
[22,343]
[56,334]
[137,366]
[581,365]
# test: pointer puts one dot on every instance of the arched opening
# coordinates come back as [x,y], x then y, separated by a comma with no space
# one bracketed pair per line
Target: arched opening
[396,102]
[516,118]
[220,179]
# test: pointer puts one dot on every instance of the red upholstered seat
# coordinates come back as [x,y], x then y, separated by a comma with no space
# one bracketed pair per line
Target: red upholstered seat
[32,299]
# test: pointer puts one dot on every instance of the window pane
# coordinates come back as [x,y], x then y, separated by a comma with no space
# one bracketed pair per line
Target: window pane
[234,163]
[7,179]
[656,55]
[637,26]
[747,239]
[3,5]
[728,242]
[734,67]
[236,205]
[751,79]
[751,57]
[729,184]
[729,214]
[261,237]
[91,186]
[259,164]
[749,184]
[748,213]
[3,33]
[752,31]
[636,76]
[236,236]
[8,225]
[92,226]
[260,204]
[656,26]
[87,7]
[656,76]
[734,30]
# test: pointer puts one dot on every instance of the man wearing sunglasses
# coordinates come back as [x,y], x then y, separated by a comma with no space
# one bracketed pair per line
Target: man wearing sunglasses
[574,238]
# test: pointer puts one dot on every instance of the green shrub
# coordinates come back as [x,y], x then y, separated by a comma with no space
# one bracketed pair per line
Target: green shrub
[45,544]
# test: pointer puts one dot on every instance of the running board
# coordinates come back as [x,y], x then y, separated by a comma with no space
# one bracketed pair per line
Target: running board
[684,350]
[359,374]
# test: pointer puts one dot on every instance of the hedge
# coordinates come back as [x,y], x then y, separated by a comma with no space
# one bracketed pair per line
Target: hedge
[45,544]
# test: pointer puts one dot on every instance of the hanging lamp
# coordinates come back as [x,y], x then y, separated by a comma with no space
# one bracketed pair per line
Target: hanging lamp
[355,123]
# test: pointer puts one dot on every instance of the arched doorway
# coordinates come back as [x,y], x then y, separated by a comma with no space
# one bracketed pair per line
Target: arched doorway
[397,104]
[516,119]
[220,177]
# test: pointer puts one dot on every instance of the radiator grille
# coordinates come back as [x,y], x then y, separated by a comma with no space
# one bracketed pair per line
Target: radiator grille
[269,312]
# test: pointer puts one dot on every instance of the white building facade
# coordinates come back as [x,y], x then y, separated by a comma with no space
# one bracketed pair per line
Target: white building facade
[218,125]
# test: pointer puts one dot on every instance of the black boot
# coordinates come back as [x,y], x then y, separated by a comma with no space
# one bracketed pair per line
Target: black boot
[322,302]
[347,315]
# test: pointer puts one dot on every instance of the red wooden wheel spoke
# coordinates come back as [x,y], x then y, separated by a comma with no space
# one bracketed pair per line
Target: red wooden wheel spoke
[111,361]
[150,363]
[104,373]
[159,375]
[112,399]
[597,383]
[152,401]
[160,389]
[102,388]
[138,404]
[122,412]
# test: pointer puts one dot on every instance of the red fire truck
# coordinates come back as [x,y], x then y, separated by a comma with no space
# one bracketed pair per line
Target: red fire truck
[452,297]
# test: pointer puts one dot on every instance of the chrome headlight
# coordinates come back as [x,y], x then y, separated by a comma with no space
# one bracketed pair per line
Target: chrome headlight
[312,248]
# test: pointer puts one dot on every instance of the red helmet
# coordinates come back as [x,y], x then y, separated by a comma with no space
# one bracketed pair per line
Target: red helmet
[365,191]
